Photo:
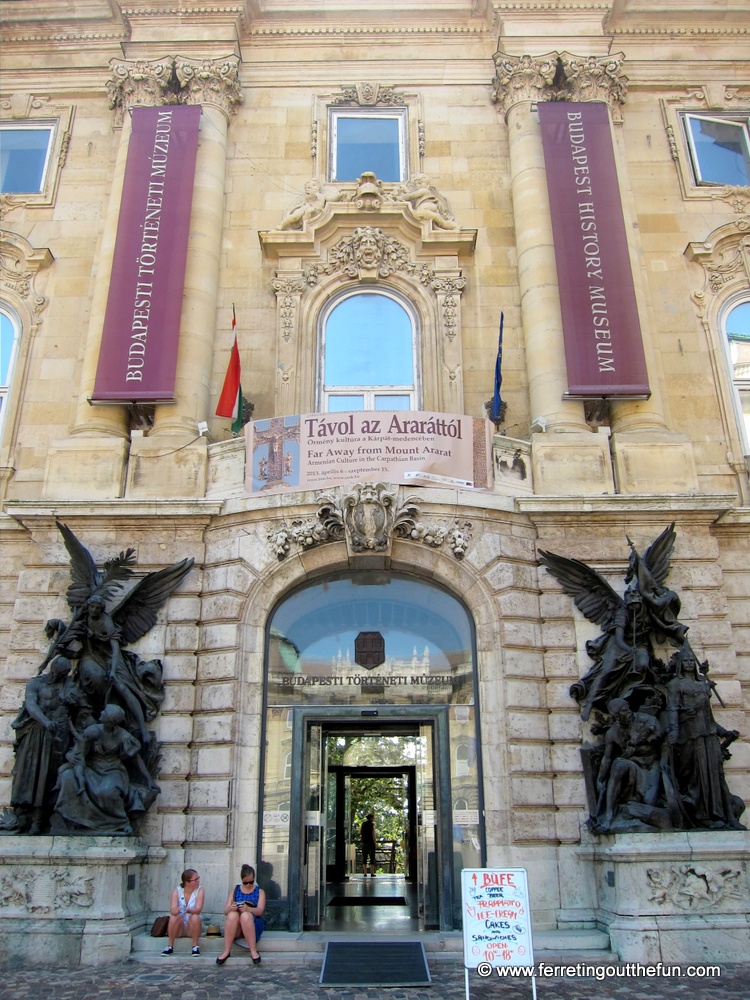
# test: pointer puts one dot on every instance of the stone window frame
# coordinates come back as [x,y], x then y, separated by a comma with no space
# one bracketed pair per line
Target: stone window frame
[725,259]
[397,114]
[321,396]
[741,121]
[732,103]
[416,262]
[20,264]
[367,98]
[29,110]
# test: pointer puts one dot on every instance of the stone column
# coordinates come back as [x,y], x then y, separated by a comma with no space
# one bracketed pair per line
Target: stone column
[648,457]
[174,443]
[567,457]
[91,462]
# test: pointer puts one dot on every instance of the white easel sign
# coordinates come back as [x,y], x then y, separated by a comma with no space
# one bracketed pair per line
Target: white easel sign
[496,920]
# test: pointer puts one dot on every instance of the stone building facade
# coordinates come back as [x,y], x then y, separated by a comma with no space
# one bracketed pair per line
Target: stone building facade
[280,233]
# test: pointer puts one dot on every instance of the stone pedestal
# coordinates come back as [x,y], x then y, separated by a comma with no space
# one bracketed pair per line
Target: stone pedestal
[72,900]
[570,464]
[676,898]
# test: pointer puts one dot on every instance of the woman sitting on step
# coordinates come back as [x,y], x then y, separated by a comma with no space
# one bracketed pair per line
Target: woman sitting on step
[185,908]
[244,909]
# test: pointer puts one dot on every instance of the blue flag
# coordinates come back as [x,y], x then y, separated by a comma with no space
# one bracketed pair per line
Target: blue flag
[498,406]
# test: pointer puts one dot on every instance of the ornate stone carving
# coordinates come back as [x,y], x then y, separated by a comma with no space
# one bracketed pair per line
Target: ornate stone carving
[210,81]
[19,266]
[693,886]
[175,80]
[368,517]
[725,256]
[594,78]
[524,78]
[288,291]
[368,95]
[368,252]
[141,83]
[448,291]
[559,77]
[418,195]
[45,891]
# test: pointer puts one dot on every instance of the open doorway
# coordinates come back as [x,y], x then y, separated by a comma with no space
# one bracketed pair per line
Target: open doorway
[370,705]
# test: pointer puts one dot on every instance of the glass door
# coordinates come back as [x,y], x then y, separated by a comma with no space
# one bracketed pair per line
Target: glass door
[312,858]
[427,859]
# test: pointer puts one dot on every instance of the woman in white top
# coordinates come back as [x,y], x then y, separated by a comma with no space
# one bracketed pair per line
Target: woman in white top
[185,908]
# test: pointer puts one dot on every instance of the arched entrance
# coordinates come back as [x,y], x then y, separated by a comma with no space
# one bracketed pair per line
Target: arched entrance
[370,678]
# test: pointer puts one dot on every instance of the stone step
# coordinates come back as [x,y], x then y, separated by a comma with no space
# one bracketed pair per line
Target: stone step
[562,947]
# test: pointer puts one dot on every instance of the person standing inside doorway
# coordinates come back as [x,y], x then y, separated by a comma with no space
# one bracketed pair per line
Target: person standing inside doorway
[368,845]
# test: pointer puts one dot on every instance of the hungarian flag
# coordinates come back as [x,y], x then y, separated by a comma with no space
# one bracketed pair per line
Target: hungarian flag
[230,400]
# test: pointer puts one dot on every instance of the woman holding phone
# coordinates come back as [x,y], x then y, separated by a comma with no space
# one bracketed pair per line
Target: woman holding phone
[244,910]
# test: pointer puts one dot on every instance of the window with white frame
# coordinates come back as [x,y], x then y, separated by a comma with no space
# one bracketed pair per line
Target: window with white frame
[737,331]
[25,151]
[719,148]
[369,354]
[10,329]
[367,140]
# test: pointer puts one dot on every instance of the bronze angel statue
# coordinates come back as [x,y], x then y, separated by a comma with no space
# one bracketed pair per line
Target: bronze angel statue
[83,747]
[647,611]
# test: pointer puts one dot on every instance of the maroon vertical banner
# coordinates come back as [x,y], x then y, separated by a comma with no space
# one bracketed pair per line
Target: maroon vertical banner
[138,355]
[603,345]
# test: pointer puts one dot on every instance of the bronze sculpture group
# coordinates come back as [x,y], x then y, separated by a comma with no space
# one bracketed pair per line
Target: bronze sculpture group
[661,763]
[86,761]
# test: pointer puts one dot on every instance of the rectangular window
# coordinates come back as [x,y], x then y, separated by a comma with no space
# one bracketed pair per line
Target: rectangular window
[719,149]
[24,158]
[368,141]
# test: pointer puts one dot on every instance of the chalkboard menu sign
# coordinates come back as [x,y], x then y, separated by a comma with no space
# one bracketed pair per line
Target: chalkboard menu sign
[497,921]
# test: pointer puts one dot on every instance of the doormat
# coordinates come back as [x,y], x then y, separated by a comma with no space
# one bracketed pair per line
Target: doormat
[374,963]
[367,901]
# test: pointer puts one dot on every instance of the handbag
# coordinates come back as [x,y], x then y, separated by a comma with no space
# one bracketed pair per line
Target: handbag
[159,927]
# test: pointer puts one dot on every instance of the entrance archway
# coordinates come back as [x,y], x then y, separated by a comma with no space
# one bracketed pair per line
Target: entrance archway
[369,656]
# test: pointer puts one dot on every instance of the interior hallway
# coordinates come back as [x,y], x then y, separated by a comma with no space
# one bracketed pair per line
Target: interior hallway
[368,916]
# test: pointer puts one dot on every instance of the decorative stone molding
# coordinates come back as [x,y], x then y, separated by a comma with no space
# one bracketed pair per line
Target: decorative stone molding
[368,95]
[36,109]
[707,99]
[448,291]
[368,518]
[559,77]
[693,886]
[523,78]
[595,78]
[210,81]
[725,256]
[288,291]
[368,253]
[175,80]
[147,84]
[19,265]
[43,892]
[418,198]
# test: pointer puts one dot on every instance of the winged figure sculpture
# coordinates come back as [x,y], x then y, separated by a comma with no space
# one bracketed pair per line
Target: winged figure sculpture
[648,609]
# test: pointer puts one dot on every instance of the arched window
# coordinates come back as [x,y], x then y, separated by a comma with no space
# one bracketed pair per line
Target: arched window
[10,329]
[368,354]
[736,322]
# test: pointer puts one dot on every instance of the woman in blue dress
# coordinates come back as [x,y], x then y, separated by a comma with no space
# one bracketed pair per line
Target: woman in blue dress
[244,910]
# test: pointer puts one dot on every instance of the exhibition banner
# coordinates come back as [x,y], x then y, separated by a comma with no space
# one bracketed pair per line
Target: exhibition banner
[414,447]
[603,345]
[138,355]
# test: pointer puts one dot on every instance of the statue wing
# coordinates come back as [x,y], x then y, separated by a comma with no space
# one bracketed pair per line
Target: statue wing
[83,569]
[592,594]
[659,553]
[136,613]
